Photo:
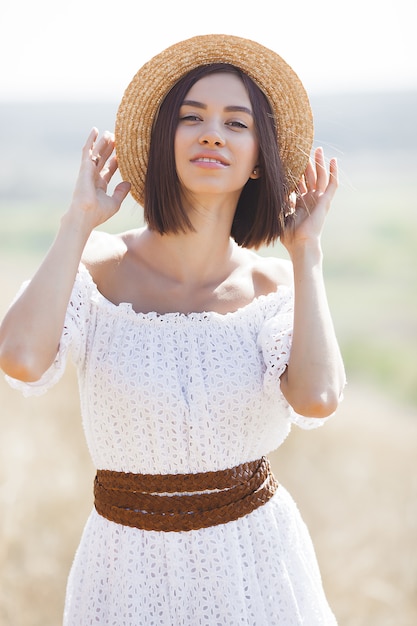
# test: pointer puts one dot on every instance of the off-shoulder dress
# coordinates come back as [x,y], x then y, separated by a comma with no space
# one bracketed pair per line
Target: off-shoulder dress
[185,393]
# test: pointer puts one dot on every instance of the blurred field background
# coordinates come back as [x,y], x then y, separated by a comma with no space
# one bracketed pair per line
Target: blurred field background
[354,480]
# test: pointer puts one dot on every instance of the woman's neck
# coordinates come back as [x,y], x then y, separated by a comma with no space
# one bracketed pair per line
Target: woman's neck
[201,255]
[191,258]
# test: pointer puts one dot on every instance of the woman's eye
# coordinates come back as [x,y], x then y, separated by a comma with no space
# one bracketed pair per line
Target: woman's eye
[189,118]
[236,124]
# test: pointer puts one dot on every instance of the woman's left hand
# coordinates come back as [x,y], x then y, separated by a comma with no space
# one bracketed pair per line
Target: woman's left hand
[314,378]
[312,201]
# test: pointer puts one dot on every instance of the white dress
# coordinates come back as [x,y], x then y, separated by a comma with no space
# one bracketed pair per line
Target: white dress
[186,393]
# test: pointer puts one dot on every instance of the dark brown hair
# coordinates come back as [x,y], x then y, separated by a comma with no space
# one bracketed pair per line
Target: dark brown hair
[260,212]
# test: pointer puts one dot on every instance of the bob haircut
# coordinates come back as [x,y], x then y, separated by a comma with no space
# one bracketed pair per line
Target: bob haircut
[262,211]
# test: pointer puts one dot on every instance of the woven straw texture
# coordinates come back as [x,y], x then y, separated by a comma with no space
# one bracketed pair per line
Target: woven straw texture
[152,82]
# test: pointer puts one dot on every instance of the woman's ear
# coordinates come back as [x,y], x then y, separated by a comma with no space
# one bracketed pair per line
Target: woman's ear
[256,173]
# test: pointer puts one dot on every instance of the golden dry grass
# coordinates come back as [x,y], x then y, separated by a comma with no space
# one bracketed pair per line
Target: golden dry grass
[353,480]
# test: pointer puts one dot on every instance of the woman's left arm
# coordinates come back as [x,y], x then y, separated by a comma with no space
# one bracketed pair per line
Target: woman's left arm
[314,378]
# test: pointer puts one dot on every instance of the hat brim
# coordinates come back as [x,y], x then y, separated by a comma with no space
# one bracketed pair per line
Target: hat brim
[146,91]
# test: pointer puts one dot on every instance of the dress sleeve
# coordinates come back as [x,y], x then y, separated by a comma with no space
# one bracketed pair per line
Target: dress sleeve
[274,341]
[73,338]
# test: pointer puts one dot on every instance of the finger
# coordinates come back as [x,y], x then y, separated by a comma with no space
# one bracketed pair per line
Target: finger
[120,192]
[89,144]
[105,146]
[333,177]
[321,171]
[103,149]
[301,187]
[310,177]
[334,172]
[110,170]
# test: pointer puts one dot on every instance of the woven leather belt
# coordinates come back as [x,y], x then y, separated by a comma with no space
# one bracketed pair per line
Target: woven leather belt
[182,502]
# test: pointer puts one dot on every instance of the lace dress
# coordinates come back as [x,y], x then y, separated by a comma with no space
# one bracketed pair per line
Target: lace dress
[186,393]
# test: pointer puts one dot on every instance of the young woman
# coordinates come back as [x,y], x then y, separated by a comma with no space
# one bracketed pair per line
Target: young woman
[194,354]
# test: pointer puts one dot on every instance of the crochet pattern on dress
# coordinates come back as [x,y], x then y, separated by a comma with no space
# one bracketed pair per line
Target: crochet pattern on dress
[178,393]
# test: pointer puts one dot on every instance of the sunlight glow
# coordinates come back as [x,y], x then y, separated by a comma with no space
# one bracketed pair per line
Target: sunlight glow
[60,50]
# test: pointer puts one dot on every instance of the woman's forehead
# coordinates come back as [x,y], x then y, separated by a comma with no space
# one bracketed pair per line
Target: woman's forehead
[225,88]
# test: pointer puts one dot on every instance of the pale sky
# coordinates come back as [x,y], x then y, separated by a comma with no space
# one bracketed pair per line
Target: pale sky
[90,49]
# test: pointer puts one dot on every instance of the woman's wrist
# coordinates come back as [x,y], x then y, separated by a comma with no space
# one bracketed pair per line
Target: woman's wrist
[77,224]
[309,251]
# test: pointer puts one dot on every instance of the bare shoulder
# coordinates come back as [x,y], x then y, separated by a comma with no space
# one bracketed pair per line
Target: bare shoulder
[102,251]
[269,273]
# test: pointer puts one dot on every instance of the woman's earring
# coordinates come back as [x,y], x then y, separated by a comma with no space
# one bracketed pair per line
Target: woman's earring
[255,173]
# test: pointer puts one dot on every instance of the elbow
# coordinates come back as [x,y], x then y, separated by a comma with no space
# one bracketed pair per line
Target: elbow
[19,365]
[320,405]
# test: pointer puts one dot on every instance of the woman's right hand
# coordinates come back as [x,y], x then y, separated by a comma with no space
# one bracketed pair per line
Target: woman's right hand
[31,330]
[90,202]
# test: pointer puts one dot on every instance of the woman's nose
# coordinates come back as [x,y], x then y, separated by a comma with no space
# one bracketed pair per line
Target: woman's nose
[211,136]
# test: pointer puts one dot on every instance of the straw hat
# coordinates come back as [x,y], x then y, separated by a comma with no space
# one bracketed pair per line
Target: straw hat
[143,97]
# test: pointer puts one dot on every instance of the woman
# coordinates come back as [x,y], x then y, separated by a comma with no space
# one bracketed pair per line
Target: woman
[194,354]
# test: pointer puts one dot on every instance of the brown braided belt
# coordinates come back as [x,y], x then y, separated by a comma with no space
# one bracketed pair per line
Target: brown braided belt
[196,501]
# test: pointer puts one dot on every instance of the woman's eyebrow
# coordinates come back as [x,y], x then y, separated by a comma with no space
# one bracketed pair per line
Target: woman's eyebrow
[194,103]
[239,109]
[229,109]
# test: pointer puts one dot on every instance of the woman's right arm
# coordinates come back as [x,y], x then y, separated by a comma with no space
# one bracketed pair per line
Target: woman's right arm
[32,328]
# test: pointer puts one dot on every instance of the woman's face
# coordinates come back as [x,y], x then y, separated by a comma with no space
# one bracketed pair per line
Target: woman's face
[216,147]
